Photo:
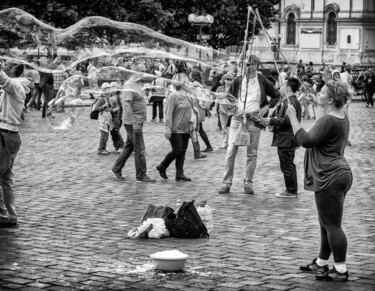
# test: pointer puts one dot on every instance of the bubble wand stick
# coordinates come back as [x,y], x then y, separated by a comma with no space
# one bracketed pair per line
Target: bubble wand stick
[269,43]
[250,51]
[243,56]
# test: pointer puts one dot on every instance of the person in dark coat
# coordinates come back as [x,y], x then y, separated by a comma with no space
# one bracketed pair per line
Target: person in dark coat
[283,138]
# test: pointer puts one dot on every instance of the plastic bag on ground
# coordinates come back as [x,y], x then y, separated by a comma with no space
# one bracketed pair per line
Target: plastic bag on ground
[152,228]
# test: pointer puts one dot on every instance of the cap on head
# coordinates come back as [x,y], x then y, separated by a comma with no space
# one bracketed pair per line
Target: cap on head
[114,85]
[105,85]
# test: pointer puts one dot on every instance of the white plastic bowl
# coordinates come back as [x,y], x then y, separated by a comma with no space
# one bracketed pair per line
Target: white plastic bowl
[169,261]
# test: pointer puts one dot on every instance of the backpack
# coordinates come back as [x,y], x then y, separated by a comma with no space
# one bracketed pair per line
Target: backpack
[94,114]
[187,224]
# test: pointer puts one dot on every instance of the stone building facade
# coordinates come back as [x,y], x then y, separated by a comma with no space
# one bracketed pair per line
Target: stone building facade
[330,31]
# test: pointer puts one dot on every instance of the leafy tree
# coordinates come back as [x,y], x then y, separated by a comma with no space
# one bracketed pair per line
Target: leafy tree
[167,16]
[229,19]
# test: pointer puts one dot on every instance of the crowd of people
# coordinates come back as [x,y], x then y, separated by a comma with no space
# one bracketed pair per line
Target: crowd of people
[279,101]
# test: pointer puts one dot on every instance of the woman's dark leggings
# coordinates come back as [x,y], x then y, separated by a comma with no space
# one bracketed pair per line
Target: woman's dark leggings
[330,204]
[179,143]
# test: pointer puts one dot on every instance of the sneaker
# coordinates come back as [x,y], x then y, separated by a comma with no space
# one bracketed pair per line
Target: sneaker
[308,118]
[286,194]
[314,267]
[200,156]
[224,189]
[153,120]
[116,151]
[146,179]
[224,146]
[248,187]
[333,275]
[161,120]
[118,175]
[103,152]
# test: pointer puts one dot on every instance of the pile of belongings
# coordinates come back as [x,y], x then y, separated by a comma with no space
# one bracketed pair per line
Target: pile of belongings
[160,221]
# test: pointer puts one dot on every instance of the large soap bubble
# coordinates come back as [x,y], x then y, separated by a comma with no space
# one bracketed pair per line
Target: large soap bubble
[97,51]
[64,112]
[26,38]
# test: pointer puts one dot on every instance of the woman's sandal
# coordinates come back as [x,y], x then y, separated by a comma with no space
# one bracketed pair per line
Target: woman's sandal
[333,275]
[314,267]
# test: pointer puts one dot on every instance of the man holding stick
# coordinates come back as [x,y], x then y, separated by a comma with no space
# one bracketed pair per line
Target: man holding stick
[251,92]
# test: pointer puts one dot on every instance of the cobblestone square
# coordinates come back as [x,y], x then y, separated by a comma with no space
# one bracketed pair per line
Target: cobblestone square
[74,216]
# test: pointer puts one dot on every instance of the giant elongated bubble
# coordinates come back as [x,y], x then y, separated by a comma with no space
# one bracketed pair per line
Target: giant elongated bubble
[108,82]
[112,49]
[26,38]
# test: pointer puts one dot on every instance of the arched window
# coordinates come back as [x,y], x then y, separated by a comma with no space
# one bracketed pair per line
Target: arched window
[291,29]
[331,29]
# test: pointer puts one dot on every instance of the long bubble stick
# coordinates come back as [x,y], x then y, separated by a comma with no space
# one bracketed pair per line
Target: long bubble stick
[243,57]
[269,43]
[286,60]
[250,52]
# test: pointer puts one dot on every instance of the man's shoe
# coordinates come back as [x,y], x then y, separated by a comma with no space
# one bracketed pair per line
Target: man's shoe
[6,222]
[286,194]
[118,175]
[103,152]
[248,188]
[162,172]
[314,267]
[146,179]
[200,156]
[224,189]
[161,120]
[349,143]
[367,105]
[333,275]
[116,151]
[210,149]
[182,177]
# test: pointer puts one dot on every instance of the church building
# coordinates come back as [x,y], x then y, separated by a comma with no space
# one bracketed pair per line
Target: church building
[329,31]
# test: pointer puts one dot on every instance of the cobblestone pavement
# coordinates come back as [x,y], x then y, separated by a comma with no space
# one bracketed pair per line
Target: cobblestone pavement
[74,217]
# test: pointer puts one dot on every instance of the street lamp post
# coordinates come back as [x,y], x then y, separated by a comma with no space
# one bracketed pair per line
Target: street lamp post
[201,20]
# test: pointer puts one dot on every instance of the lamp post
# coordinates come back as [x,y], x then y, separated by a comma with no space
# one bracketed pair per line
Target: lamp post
[201,20]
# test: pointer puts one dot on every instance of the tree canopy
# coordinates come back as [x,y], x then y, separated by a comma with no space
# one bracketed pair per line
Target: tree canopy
[169,17]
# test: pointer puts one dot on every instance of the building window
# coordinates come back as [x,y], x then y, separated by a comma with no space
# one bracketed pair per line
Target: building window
[291,29]
[331,29]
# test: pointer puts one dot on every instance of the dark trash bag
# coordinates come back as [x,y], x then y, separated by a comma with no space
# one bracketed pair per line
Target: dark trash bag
[187,224]
[158,212]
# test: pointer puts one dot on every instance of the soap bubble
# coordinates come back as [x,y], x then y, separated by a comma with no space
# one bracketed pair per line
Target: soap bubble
[64,112]
[27,39]
[105,51]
